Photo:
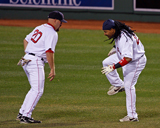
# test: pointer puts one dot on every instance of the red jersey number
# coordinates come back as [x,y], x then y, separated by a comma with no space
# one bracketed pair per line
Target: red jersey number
[36,36]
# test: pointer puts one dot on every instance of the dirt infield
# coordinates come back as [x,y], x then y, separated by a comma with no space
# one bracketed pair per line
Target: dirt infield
[85,24]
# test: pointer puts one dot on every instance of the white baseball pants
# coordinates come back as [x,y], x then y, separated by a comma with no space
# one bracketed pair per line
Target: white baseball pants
[36,77]
[131,72]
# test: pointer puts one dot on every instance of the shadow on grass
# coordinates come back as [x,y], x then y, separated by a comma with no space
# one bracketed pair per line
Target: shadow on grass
[7,122]
[65,113]
[16,124]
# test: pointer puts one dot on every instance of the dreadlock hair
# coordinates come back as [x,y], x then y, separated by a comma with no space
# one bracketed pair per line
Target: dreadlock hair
[121,27]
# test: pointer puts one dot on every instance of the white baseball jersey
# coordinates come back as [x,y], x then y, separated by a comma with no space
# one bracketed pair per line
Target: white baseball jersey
[129,47]
[41,39]
[132,48]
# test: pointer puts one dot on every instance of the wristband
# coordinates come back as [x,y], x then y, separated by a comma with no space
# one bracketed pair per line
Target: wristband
[117,66]
[120,63]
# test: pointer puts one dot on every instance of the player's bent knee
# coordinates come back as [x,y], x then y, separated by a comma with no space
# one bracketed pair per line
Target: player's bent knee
[38,91]
[40,94]
[105,62]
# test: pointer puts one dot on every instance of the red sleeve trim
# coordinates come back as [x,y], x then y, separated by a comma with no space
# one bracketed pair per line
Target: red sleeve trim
[49,50]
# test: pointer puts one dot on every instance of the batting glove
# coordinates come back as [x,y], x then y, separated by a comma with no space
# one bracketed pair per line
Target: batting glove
[23,61]
[108,69]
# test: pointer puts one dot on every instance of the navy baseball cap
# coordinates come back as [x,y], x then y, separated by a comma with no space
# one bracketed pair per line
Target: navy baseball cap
[108,24]
[57,15]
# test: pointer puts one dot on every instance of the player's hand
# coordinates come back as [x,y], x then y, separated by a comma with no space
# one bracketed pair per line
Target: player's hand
[108,69]
[51,75]
[112,51]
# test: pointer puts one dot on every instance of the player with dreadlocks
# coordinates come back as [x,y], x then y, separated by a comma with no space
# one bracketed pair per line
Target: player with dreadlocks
[118,26]
[129,54]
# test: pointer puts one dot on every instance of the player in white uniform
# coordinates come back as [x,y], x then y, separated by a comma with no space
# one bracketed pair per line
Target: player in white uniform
[39,48]
[130,55]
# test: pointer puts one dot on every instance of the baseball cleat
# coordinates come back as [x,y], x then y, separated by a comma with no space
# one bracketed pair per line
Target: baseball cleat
[27,120]
[19,116]
[122,89]
[113,90]
[127,118]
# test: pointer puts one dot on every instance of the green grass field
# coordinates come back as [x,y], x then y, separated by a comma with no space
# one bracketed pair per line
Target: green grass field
[77,97]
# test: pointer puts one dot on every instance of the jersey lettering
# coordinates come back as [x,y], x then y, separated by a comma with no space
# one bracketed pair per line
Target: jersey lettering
[36,36]
[137,40]
[118,50]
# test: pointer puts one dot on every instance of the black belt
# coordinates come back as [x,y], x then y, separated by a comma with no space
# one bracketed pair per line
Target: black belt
[31,54]
[35,55]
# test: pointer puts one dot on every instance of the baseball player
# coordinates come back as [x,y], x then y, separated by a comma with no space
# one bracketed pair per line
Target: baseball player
[130,55]
[39,48]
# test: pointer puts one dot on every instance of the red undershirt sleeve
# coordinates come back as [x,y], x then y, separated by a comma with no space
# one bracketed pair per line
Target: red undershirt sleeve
[50,50]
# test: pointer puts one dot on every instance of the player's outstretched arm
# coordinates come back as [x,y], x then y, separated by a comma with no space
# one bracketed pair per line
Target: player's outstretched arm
[110,68]
[50,58]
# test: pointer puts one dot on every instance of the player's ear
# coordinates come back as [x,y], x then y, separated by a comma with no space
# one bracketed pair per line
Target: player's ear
[113,30]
